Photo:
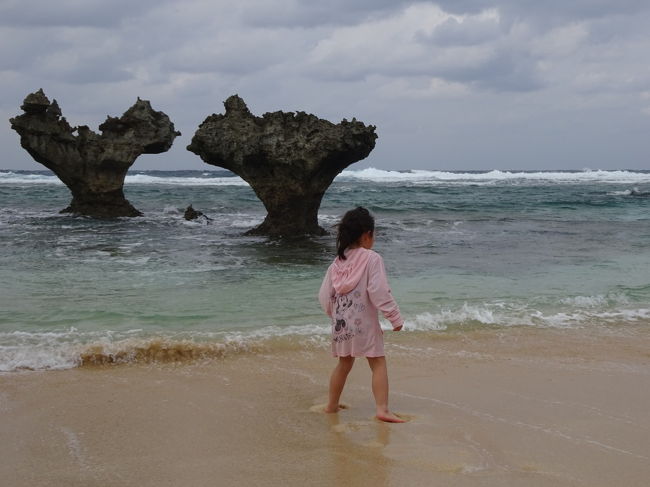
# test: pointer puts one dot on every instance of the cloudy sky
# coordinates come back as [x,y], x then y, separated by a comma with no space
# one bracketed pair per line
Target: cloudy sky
[451,84]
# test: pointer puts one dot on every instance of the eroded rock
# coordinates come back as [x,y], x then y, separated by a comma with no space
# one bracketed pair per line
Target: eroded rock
[93,166]
[289,159]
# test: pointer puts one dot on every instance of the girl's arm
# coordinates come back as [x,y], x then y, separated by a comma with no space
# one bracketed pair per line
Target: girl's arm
[380,294]
[326,294]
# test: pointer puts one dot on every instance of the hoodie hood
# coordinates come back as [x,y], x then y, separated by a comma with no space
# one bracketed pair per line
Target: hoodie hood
[347,273]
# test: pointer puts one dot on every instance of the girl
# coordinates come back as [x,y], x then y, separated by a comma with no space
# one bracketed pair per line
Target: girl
[354,288]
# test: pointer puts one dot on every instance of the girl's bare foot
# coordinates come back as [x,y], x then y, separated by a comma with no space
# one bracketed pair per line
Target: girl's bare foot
[389,417]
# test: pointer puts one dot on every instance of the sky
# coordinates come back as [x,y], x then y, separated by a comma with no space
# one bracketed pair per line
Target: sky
[450,85]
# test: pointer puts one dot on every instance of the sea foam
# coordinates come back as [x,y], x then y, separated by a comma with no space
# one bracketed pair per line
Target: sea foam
[20,178]
[70,348]
[432,177]
[414,176]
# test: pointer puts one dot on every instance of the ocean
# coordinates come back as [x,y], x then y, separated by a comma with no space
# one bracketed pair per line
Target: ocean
[465,252]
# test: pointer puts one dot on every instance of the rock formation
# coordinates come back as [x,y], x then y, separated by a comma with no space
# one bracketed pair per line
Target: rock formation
[92,166]
[289,159]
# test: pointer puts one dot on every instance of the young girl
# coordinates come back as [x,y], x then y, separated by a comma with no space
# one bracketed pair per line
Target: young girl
[354,289]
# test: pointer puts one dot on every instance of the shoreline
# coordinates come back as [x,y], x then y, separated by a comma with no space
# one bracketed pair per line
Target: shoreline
[498,407]
[54,353]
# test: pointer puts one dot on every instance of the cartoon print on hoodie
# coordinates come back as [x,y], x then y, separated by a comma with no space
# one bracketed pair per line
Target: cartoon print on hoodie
[345,308]
[343,304]
[344,314]
[345,277]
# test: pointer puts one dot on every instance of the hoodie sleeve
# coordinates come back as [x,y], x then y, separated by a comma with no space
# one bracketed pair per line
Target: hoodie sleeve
[379,291]
[326,294]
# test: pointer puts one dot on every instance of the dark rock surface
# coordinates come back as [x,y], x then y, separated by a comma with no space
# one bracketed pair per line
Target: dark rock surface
[93,166]
[289,159]
[192,214]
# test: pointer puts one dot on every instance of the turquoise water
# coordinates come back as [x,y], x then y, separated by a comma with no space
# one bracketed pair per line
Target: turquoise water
[463,250]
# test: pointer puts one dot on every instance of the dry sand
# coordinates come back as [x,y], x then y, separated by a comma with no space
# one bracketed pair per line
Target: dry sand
[516,407]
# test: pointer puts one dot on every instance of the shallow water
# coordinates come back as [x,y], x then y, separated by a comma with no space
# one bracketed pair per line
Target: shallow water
[463,251]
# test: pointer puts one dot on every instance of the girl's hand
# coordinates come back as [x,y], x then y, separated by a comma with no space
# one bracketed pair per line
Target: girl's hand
[398,328]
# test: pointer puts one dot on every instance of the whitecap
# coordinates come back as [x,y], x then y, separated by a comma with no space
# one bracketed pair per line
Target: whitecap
[184,181]
[9,177]
[494,176]
[245,223]
[21,178]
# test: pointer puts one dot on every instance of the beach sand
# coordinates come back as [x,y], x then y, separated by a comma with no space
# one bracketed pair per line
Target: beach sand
[510,407]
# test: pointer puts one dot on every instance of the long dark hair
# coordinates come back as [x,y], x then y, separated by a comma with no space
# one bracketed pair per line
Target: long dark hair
[353,224]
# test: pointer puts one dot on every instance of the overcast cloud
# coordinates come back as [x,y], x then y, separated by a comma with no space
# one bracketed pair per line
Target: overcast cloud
[453,84]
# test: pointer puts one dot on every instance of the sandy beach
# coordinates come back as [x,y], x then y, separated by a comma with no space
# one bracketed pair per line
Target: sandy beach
[486,408]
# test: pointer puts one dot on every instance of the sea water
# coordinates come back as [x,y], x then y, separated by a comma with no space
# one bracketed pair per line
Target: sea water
[463,250]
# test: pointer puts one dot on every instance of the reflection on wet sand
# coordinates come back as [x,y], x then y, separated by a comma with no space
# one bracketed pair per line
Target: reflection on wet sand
[357,450]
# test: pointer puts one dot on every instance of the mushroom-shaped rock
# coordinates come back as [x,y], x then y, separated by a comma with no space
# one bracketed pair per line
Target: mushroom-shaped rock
[92,166]
[289,159]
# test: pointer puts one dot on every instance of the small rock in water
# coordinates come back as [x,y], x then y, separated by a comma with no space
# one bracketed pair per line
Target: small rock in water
[637,192]
[192,214]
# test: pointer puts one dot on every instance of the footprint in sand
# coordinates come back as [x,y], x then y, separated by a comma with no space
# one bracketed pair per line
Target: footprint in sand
[351,427]
[372,434]
[320,408]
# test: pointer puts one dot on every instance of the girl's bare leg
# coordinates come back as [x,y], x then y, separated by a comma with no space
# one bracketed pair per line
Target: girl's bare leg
[337,382]
[380,389]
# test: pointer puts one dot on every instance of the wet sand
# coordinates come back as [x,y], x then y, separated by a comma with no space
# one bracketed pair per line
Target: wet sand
[497,408]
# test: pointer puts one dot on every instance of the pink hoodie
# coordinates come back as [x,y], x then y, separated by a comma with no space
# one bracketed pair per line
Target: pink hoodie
[352,293]
[347,273]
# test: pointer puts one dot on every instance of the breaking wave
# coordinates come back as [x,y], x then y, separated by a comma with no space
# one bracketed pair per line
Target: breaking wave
[496,176]
[70,348]
[186,178]
[583,311]
[418,177]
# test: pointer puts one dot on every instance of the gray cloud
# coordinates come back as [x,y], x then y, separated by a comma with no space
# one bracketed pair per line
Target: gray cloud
[313,13]
[472,31]
[505,72]
[549,11]
[480,50]
[71,13]
[233,52]
[522,80]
